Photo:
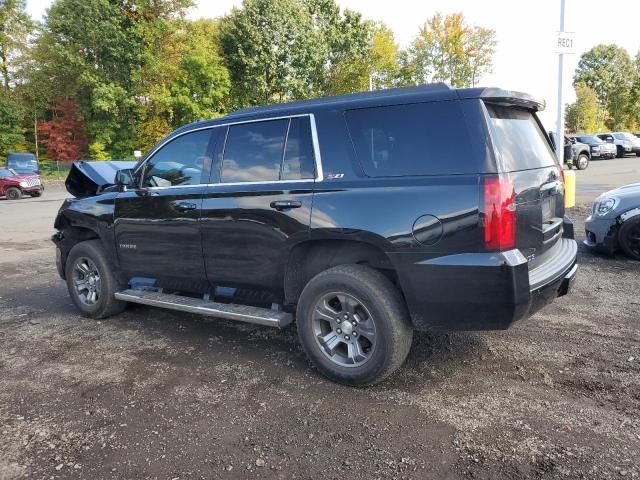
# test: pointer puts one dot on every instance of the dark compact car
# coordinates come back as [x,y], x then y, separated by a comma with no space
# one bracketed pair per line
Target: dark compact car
[351,215]
[599,149]
[14,186]
[23,163]
[614,223]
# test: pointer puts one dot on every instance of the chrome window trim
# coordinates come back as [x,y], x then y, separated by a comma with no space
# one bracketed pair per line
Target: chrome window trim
[314,138]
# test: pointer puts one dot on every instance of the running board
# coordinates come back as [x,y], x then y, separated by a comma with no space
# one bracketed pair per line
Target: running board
[242,313]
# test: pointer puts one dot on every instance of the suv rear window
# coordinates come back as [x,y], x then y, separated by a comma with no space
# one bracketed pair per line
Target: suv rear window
[519,139]
[413,139]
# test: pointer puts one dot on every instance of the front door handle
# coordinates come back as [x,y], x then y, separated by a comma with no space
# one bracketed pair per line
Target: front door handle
[285,204]
[184,206]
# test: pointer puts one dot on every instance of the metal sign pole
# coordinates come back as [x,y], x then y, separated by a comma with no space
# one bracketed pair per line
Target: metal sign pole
[560,120]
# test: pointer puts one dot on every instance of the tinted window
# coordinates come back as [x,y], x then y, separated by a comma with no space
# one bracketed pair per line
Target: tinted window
[519,139]
[253,151]
[6,172]
[298,156]
[416,139]
[179,162]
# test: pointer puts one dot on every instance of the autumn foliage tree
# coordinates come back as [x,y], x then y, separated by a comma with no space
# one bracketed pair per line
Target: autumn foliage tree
[64,135]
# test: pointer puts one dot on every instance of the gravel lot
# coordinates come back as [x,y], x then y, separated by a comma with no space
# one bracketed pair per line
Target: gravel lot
[157,394]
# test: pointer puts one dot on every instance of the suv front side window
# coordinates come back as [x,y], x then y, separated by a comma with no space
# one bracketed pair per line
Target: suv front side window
[182,161]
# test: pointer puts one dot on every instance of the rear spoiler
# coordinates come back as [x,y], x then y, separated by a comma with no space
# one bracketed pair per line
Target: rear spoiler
[506,98]
[87,179]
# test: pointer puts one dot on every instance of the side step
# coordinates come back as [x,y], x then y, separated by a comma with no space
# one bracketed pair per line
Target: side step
[242,313]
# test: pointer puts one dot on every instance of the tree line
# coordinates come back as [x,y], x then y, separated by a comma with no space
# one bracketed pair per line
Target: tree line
[101,78]
[607,85]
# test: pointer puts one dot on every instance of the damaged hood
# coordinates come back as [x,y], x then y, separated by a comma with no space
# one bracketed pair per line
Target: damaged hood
[86,179]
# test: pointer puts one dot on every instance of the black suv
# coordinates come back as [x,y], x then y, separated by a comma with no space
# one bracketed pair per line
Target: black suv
[352,215]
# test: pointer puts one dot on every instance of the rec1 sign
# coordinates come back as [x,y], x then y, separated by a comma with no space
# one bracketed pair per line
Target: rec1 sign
[565,42]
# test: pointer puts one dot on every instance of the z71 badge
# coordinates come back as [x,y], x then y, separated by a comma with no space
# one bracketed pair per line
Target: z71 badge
[334,176]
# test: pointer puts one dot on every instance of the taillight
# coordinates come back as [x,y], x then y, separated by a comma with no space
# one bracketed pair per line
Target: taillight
[561,173]
[499,213]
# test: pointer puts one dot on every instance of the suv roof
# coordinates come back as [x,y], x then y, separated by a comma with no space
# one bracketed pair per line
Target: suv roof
[421,93]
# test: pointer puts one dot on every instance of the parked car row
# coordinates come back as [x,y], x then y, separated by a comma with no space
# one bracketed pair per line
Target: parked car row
[624,142]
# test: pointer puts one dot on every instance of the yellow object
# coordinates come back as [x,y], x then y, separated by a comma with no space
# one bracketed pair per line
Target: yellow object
[569,188]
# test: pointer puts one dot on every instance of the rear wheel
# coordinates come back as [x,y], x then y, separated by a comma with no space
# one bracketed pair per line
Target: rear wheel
[629,238]
[91,282]
[583,161]
[13,193]
[354,325]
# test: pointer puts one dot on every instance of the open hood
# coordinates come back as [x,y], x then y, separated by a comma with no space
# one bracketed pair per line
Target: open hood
[86,179]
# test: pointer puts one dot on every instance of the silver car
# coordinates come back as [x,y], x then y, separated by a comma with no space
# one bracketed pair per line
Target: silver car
[614,222]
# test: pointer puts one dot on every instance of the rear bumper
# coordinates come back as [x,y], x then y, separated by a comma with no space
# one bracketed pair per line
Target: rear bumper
[483,291]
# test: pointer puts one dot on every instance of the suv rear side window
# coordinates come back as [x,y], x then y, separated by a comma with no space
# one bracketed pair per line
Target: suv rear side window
[519,139]
[414,139]
[299,160]
[254,151]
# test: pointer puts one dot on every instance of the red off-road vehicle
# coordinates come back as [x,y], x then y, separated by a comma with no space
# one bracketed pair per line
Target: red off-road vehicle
[14,186]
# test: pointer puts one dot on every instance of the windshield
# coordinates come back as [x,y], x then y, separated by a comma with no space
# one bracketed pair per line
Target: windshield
[624,136]
[22,163]
[590,139]
[7,172]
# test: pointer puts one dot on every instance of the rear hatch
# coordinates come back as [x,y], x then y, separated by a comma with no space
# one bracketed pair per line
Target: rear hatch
[528,167]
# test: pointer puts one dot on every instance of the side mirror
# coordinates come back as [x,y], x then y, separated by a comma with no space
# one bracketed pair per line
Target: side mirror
[124,178]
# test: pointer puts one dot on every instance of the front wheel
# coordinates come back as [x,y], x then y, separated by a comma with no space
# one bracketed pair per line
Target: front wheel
[36,194]
[583,162]
[619,151]
[91,282]
[629,238]
[354,325]
[13,193]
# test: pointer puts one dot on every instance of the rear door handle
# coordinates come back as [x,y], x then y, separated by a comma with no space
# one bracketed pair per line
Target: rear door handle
[285,204]
[184,206]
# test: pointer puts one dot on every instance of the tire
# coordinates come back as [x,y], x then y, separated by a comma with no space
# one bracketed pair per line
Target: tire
[84,260]
[13,193]
[36,194]
[369,305]
[582,162]
[629,238]
[619,151]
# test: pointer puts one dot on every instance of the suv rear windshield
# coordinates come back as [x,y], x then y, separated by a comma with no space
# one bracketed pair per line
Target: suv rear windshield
[414,139]
[519,139]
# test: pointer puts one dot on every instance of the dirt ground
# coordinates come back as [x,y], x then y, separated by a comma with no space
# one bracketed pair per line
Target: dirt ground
[163,395]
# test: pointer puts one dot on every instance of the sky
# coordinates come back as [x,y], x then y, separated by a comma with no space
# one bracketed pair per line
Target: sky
[525,31]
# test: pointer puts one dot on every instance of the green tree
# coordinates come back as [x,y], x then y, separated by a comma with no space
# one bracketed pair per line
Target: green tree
[376,68]
[609,71]
[15,27]
[95,51]
[585,114]
[446,49]
[269,47]
[11,131]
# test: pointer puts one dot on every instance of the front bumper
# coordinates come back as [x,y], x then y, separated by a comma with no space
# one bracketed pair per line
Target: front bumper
[483,291]
[601,234]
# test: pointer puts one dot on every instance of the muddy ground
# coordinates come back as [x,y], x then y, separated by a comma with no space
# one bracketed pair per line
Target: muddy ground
[163,395]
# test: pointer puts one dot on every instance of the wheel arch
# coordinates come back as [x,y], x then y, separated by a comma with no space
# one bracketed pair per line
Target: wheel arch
[308,258]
